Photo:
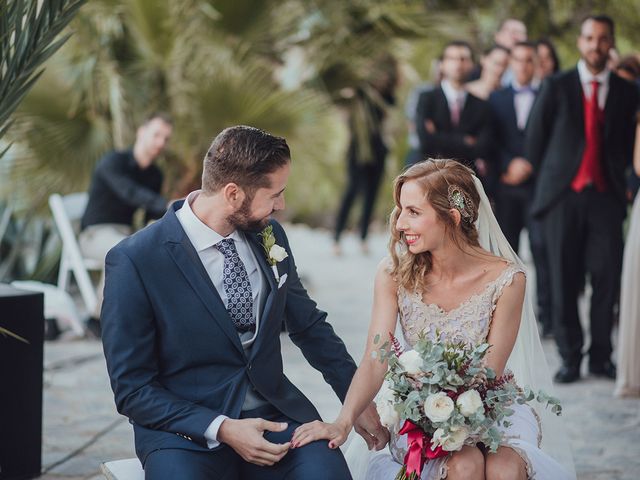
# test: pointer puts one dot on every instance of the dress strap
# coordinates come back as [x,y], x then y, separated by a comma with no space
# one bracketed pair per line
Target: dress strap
[504,280]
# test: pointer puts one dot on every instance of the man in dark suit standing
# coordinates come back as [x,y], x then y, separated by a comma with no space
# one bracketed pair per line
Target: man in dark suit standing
[511,107]
[450,122]
[193,309]
[580,141]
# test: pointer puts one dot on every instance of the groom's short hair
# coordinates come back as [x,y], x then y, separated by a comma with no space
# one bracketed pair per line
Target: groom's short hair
[244,156]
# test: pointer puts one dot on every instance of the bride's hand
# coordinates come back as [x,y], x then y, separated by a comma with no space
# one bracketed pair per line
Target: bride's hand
[336,433]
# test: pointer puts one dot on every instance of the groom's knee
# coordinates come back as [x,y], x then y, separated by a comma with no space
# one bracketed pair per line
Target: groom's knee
[170,463]
[319,462]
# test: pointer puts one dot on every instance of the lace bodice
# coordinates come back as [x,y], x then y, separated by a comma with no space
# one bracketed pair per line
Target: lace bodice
[468,322]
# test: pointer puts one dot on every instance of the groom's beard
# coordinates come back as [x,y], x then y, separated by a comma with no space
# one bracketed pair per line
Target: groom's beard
[242,220]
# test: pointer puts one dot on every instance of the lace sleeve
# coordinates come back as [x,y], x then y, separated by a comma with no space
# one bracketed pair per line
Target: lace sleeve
[504,280]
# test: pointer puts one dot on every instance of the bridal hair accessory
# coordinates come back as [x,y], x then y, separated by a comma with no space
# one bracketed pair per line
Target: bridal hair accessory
[459,200]
[275,253]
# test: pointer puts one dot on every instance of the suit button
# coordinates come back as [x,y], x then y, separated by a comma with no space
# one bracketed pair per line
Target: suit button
[249,367]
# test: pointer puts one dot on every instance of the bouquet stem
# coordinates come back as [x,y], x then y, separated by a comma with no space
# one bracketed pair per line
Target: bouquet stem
[402,474]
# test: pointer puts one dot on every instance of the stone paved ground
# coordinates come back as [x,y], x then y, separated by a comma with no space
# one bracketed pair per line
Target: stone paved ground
[82,428]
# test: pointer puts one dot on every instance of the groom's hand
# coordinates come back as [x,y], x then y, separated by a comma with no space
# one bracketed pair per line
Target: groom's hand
[245,436]
[369,427]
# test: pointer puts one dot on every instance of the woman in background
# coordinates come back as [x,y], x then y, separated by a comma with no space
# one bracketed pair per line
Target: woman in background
[367,149]
[628,379]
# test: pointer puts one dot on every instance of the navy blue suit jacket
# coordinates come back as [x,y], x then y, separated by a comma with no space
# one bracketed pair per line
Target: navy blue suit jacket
[509,138]
[173,355]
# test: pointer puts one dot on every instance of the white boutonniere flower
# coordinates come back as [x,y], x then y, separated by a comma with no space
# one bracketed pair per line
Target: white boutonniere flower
[275,253]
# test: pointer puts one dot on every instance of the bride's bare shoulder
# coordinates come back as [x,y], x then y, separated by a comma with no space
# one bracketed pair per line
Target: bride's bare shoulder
[384,275]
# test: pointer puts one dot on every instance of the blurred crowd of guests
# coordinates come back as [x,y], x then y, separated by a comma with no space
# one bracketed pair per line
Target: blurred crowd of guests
[554,151]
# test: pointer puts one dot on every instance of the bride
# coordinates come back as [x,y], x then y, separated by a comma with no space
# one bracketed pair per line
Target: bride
[452,276]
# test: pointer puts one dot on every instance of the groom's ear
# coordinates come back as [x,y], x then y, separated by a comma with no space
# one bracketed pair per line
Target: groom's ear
[233,194]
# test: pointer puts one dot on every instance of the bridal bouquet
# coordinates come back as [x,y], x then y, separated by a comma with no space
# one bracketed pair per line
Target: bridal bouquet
[444,396]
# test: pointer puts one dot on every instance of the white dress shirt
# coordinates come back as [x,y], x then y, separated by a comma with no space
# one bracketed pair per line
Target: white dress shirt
[523,99]
[454,96]
[203,240]
[586,77]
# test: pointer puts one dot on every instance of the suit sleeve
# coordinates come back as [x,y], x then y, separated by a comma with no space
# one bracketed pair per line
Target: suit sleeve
[313,335]
[539,125]
[128,337]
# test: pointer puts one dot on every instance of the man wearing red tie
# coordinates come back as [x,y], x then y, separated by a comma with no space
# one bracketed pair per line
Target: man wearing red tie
[580,141]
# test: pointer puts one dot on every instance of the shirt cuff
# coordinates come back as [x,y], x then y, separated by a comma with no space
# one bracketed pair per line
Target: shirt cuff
[211,433]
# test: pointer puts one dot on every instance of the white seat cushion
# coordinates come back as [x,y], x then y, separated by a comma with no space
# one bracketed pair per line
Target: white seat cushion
[127,469]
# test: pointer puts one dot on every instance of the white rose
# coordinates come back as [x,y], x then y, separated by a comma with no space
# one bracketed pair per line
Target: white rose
[388,415]
[454,441]
[469,402]
[278,253]
[411,362]
[438,407]
[386,394]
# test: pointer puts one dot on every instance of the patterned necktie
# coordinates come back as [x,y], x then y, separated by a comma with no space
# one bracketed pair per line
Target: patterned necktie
[236,286]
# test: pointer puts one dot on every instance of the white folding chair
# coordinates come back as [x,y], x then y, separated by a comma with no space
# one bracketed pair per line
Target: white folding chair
[67,211]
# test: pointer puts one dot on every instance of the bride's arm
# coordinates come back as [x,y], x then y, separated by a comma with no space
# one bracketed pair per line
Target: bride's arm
[505,324]
[370,374]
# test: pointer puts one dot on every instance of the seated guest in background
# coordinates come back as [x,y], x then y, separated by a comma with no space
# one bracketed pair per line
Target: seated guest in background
[123,182]
[494,63]
[511,107]
[548,61]
[450,122]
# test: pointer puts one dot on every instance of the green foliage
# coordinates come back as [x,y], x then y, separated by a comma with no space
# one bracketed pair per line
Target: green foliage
[448,373]
[288,66]
[28,32]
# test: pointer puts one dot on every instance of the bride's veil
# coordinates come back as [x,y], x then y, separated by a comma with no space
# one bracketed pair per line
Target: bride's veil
[527,360]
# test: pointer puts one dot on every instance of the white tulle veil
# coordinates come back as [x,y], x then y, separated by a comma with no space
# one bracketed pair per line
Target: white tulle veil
[527,360]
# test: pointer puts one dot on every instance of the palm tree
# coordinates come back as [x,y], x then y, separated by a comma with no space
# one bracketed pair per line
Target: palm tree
[28,37]
[283,65]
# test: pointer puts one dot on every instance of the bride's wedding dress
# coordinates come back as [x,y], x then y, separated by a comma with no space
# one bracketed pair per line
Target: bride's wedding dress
[536,434]
[628,380]
[469,322]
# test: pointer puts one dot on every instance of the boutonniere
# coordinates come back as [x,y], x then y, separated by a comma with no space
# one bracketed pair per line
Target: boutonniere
[275,253]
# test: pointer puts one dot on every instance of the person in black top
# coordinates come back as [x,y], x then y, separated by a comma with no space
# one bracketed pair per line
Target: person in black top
[123,182]
[367,148]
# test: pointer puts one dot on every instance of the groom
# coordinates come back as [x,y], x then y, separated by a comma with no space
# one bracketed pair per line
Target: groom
[192,315]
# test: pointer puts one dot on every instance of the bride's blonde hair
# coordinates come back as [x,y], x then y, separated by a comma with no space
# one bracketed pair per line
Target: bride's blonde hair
[446,184]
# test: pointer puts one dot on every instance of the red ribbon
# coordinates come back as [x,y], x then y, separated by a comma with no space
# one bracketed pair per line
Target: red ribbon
[418,448]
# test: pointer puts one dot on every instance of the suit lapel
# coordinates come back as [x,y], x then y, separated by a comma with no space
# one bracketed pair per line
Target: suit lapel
[511,108]
[575,96]
[611,105]
[255,243]
[443,111]
[186,258]
[194,272]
